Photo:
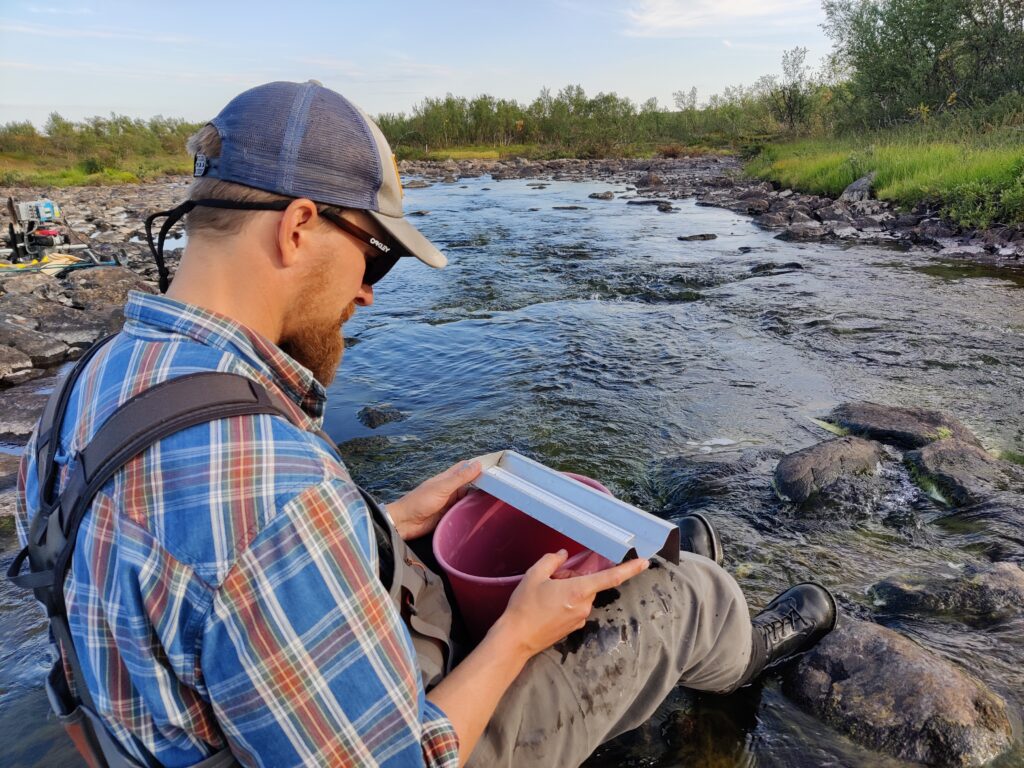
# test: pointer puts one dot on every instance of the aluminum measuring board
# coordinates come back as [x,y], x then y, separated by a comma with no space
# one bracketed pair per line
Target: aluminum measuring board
[612,528]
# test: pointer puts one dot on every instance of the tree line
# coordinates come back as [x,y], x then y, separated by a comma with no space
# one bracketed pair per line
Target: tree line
[894,62]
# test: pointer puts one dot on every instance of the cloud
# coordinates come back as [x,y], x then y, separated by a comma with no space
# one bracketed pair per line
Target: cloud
[51,11]
[69,33]
[687,18]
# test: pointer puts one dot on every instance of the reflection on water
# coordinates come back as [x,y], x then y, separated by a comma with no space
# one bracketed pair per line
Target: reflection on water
[677,373]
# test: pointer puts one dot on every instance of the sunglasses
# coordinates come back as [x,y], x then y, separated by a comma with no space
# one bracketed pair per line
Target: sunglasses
[382,256]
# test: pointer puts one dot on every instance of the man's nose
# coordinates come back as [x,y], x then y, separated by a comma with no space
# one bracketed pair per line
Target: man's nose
[364,297]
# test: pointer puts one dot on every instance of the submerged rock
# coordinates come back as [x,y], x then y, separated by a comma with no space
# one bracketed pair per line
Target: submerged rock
[601,195]
[702,236]
[902,427]
[993,528]
[965,473]
[976,594]
[771,268]
[374,416]
[830,471]
[891,695]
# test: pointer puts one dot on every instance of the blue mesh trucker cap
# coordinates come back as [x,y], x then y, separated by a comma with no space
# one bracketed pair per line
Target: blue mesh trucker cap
[304,140]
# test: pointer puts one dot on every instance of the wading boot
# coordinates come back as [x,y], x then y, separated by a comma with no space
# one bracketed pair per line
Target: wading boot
[697,535]
[789,625]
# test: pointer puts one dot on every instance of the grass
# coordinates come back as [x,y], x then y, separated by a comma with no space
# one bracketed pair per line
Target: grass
[552,152]
[18,170]
[976,179]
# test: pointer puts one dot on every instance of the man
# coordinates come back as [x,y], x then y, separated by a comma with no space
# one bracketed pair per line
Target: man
[232,586]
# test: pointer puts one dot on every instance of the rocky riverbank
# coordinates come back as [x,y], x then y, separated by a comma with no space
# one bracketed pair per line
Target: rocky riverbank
[879,480]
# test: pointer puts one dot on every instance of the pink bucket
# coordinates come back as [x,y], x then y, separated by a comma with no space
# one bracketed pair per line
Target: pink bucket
[485,546]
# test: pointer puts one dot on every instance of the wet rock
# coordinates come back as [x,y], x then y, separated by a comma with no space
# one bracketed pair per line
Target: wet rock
[416,184]
[902,427]
[41,349]
[19,411]
[449,179]
[702,236]
[861,189]
[15,365]
[601,195]
[934,228]
[363,445]
[889,694]
[569,207]
[771,268]
[976,594]
[649,180]
[417,213]
[965,473]
[828,469]
[374,416]
[666,207]
[8,471]
[645,202]
[802,232]
[73,327]
[773,220]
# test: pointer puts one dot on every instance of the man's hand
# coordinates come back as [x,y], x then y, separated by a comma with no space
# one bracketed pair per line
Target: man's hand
[417,513]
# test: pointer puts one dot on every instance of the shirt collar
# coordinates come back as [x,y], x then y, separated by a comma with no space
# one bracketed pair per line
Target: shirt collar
[215,330]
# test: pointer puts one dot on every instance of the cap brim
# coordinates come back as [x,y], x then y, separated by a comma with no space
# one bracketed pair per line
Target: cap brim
[411,239]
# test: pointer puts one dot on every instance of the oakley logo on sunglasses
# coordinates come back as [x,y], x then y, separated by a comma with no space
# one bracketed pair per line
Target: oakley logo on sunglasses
[378,244]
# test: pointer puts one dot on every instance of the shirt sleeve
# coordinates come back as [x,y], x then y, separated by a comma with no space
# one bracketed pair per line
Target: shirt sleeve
[303,654]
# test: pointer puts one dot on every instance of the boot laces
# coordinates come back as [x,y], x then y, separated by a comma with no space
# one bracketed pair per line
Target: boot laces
[776,629]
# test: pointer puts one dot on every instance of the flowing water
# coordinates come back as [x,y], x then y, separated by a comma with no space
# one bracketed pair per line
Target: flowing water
[676,373]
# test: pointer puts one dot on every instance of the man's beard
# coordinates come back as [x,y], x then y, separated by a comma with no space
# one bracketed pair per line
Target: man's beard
[319,346]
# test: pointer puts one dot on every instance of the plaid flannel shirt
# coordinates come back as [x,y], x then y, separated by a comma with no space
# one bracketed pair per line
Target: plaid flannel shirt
[224,584]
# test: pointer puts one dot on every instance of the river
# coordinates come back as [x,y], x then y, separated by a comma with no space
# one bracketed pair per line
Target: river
[596,341]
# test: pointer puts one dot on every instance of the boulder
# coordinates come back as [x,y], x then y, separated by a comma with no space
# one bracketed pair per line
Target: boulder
[902,427]
[40,348]
[104,288]
[667,207]
[975,594]
[416,184]
[374,416]
[802,232]
[15,365]
[775,219]
[893,696]
[19,411]
[829,469]
[29,282]
[73,327]
[859,190]
[649,179]
[601,195]
[965,473]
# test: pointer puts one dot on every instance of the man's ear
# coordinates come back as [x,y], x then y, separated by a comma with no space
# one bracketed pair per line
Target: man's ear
[295,229]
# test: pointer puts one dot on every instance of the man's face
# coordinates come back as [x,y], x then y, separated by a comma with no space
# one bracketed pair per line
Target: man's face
[333,289]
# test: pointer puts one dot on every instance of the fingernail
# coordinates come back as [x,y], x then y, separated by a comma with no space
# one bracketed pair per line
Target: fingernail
[647,564]
[563,553]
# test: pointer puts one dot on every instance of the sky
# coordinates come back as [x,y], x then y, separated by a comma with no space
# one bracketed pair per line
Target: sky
[187,59]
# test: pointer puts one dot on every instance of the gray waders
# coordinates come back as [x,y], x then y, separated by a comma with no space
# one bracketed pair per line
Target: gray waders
[143,420]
